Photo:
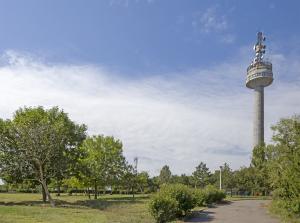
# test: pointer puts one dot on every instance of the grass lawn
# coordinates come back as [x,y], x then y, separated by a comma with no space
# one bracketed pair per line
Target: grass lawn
[28,208]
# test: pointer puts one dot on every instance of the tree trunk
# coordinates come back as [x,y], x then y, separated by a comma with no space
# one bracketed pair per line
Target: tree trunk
[44,194]
[44,184]
[89,194]
[132,189]
[58,190]
[96,190]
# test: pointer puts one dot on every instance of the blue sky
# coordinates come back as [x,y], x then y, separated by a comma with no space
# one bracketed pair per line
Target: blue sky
[140,36]
[166,77]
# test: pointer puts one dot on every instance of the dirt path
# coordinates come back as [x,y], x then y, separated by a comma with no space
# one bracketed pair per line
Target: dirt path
[245,211]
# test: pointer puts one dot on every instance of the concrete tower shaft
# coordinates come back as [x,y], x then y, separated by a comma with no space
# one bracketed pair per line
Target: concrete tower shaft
[259,76]
[258,116]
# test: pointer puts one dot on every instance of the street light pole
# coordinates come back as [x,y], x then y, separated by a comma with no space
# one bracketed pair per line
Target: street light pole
[220,177]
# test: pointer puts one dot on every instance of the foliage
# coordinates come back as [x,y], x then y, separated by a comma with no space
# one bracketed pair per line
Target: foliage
[260,165]
[201,175]
[283,209]
[201,197]
[208,195]
[213,195]
[45,140]
[165,175]
[245,178]
[143,181]
[104,162]
[185,198]
[163,208]
[182,194]
[284,163]
[228,180]
[172,200]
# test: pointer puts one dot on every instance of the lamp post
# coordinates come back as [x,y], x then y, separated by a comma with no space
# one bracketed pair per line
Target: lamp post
[220,177]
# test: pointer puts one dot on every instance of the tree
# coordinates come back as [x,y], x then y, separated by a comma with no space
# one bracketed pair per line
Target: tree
[244,178]
[259,163]
[143,180]
[153,184]
[182,179]
[228,181]
[104,161]
[39,144]
[165,175]
[201,175]
[284,162]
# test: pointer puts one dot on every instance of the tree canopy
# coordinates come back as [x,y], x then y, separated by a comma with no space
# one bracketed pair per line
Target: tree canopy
[104,163]
[39,144]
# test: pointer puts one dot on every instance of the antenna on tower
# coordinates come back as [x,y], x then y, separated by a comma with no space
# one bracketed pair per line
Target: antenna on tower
[259,48]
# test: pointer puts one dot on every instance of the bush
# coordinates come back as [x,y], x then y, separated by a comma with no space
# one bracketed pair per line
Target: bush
[283,200]
[182,194]
[286,209]
[162,208]
[213,194]
[176,200]
[172,201]
[201,197]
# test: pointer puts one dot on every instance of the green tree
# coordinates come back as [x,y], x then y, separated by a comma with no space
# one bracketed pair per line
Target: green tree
[259,163]
[182,179]
[153,184]
[143,181]
[284,162]
[201,175]
[104,161]
[244,178]
[165,175]
[228,180]
[37,144]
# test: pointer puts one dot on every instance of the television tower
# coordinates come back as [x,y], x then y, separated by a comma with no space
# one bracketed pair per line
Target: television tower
[259,76]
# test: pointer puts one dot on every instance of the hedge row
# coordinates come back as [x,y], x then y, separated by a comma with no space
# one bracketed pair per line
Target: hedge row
[177,200]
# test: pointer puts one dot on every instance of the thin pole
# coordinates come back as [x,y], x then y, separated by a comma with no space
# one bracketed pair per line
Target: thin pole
[220,177]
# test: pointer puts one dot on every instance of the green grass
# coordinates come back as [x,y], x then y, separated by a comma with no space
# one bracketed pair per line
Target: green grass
[25,208]
[26,214]
[29,208]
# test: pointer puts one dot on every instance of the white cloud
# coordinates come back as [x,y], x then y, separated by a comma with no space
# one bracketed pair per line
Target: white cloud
[214,21]
[210,21]
[178,119]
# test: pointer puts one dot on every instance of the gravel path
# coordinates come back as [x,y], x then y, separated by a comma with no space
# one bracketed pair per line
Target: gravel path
[245,211]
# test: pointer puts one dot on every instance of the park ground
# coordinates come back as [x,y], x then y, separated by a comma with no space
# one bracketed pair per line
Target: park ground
[29,208]
[25,208]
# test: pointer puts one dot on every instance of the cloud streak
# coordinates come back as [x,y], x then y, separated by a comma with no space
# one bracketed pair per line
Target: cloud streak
[211,21]
[177,119]
[214,22]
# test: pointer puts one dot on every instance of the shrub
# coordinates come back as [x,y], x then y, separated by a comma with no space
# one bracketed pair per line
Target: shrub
[283,199]
[201,197]
[213,194]
[162,208]
[182,194]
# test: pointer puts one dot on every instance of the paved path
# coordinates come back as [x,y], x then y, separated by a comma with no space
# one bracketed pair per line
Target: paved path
[245,211]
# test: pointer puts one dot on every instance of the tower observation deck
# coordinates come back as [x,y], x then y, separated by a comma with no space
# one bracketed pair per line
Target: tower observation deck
[259,76]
